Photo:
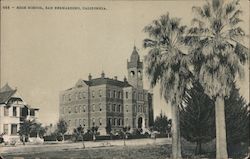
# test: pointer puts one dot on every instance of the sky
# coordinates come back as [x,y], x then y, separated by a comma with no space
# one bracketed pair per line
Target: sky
[47,51]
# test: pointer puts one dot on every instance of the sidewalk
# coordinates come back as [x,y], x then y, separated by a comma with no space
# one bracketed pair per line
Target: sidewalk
[88,144]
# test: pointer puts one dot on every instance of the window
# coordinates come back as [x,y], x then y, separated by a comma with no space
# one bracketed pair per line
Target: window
[14,111]
[134,95]
[83,95]
[84,108]
[144,109]
[126,108]
[126,94]
[76,122]
[93,108]
[83,122]
[139,74]
[114,121]
[69,110]
[127,121]
[114,94]
[63,110]
[119,95]
[69,97]
[6,111]
[79,95]
[118,108]
[108,93]
[79,108]
[69,122]
[110,121]
[32,112]
[100,93]
[76,97]
[100,121]
[119,122]
[80,122]
[132,73]
[76,109]
[113,107]
[108,107]
[93,121]
[135,109]
[93,94]
[100,107]
[5,128]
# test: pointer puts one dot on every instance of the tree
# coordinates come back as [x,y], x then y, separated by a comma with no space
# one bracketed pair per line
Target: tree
[168,66]
[109,129]
[218,56]
[94,131]
[162,124]
[24,130]
[237,118]
[197,117]
[62,127]
[37,129]
[79,132]
[125,131]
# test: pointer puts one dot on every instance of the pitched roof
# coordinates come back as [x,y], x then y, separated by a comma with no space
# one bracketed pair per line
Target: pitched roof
[6,88]
[100,81]
[5,93]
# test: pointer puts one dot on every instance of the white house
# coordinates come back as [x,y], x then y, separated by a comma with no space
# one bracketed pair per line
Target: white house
[13,111]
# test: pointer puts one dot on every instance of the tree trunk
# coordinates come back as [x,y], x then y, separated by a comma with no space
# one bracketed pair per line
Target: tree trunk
[221,142]
[176,138]
[62,137]
[198,148]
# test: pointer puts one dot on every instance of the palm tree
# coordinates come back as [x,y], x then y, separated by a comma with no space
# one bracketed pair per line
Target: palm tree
[167,65]
[218,56]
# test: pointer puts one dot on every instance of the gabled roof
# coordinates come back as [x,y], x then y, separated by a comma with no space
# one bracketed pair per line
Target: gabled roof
[5,93]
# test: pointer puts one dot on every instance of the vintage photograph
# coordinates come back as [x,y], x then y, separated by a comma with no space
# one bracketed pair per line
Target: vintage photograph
[125,79]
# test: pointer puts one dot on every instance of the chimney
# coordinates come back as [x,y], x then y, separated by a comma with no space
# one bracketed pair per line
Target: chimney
[115,77]
[103,74]
[90,77]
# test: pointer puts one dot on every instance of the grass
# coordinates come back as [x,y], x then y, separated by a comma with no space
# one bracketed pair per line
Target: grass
[128,152]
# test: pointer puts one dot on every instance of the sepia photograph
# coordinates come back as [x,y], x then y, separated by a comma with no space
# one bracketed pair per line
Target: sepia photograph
[106,79]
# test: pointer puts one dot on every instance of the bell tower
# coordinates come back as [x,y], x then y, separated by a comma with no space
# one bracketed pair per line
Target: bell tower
[135,70]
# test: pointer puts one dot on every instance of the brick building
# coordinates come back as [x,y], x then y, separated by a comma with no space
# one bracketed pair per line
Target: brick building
[99,101]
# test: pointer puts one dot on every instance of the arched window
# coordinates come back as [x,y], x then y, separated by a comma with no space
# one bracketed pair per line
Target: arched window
[139,74]
[132,73]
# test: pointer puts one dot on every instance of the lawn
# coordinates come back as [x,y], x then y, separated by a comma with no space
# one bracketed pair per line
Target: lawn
[128,152]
